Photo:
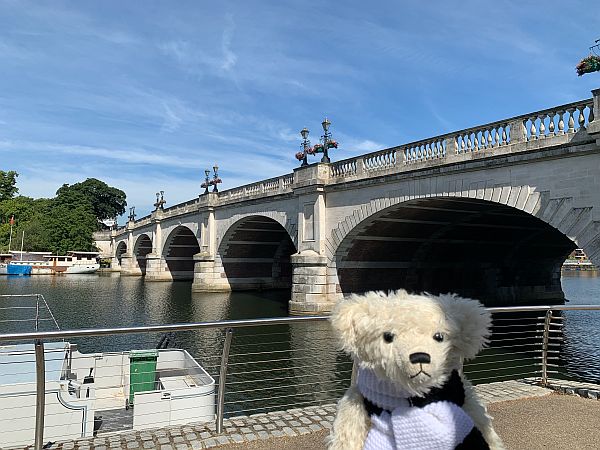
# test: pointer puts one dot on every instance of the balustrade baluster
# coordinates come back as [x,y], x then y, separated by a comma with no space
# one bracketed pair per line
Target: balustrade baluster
[581,118]
[504,136]
[591,114]
[496,137]
[551,124]
[542,126]
[490,141]
[571,122]
[469,144]
[561,122]
[532,130]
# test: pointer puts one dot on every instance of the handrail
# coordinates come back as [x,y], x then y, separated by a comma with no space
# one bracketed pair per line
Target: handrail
[546,363]
[240,323]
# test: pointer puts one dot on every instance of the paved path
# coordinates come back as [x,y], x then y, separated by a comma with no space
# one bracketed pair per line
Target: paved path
[521,409]
[552,422]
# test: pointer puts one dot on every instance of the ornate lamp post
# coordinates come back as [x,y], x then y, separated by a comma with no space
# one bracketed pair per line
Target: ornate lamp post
[160,200]
[132,214]
[206,183]
[322,147]
[306,149]
[215,180]
[327,142]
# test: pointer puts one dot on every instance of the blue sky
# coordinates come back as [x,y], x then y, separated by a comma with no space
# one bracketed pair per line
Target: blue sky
[145,95]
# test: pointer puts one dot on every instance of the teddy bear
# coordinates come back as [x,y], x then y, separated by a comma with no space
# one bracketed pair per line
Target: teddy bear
[410,392]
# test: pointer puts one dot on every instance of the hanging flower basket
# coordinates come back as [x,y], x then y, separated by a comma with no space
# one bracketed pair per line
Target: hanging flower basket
[588,65]
[318,148]
[300,156]
[332,144]
[310,150]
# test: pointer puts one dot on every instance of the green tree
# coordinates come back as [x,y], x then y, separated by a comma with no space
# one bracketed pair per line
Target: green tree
[8,184]
[70,227]
[65,222]
[106,202]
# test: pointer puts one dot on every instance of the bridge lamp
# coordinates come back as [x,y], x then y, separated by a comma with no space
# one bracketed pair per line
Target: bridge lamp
[206,183]
[216,180]
[303,155]
[326,124]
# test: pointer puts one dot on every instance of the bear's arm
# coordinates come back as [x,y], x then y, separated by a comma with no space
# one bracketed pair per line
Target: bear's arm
[351,424]
[481,418]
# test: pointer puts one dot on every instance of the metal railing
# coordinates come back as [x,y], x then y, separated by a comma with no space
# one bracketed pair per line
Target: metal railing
[261,365]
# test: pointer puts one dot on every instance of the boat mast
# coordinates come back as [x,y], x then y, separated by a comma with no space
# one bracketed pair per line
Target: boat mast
[22,239]
[12,222]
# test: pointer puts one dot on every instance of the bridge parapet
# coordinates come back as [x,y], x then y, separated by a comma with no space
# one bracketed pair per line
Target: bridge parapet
[260,189]
[545,128]
[181,208]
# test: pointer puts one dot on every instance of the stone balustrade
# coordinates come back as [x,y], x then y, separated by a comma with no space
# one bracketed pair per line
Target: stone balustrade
[490,139]
[272,186]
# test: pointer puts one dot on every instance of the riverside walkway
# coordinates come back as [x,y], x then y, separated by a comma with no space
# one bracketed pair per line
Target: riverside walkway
[526,416]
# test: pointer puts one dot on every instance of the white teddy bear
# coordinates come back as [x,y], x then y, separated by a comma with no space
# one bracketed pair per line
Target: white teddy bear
[410,392]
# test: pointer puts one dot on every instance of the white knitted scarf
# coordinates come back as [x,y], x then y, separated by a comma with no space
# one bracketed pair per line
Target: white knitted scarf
[440,425]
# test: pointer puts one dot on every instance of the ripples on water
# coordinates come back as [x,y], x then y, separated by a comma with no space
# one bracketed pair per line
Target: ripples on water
[581,350]
[319,372]
[289,364]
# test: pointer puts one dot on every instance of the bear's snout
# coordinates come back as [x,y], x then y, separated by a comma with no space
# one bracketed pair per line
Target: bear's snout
[420,357]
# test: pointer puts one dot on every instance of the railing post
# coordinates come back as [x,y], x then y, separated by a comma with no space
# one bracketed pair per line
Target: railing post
[547,322]
[222,379]
[518,133]
[40,398]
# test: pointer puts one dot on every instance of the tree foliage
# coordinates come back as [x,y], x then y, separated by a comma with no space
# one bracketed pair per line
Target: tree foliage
[63,223]
[106,202]
[8,184]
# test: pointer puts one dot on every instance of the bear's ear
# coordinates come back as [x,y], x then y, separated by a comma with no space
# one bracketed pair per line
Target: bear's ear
[346,318]
[469,321]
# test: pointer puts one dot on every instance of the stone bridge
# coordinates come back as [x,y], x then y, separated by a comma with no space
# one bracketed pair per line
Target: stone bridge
[489,212]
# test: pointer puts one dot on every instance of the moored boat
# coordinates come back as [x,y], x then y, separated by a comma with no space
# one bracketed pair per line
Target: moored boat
[45,263]
[89,393]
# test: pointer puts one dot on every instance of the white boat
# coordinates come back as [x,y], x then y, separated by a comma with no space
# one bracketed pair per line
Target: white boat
[4,259]
[89,393]
[45,263]
[85,391]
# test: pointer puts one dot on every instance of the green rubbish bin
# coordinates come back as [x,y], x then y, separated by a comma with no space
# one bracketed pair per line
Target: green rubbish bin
[142,372]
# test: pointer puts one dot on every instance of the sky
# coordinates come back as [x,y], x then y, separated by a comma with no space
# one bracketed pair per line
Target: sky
[145,95]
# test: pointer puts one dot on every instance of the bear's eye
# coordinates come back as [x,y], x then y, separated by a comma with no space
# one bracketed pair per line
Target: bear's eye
[388,337]
[438,337]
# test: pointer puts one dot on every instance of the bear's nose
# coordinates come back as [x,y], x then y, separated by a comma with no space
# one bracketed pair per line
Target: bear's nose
[420,357]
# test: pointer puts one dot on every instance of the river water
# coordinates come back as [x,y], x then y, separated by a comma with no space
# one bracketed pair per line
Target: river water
[90,301]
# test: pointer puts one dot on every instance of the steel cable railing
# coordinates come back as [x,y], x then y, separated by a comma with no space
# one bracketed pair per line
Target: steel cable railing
[258,368]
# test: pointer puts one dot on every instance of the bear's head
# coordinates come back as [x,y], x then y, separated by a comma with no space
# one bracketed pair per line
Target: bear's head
[414,341]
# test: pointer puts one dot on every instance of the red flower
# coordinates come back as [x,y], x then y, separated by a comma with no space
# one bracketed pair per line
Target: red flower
[300,156]
[310,150]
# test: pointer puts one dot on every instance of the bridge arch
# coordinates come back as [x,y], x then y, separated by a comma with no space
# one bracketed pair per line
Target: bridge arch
[255,254]
[120,251]
[180,247]
[499,249]
[143,246]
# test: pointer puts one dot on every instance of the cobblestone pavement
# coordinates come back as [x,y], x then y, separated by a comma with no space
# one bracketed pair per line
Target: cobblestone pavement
[290,423]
